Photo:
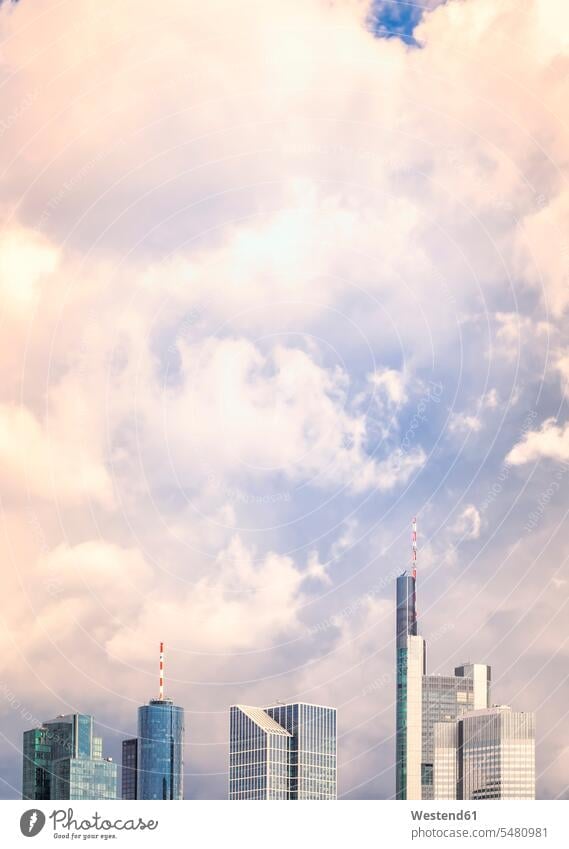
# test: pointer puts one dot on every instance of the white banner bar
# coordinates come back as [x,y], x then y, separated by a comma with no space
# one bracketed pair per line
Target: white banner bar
[279,825]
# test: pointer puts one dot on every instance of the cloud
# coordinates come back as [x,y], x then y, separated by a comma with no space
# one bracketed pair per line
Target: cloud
[551,442]
[464,423]
[245,603]
[226,281]
[25,259]
[473,422]
[468,525]
[562,365]
[515,331]
[60,466]
[392,383]
[277,412]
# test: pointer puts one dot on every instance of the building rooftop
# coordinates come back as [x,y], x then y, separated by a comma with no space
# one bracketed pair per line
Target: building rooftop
[263,720]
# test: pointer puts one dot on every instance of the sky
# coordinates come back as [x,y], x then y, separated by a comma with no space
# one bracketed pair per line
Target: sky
[276,277]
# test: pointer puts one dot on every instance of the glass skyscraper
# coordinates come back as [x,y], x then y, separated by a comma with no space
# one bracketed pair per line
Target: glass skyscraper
[128,771]
[411,661]
[312,749]
[423,700]
[444,698]
[160,751]
[153,762]
[63,760]
[258,755]
[282,752]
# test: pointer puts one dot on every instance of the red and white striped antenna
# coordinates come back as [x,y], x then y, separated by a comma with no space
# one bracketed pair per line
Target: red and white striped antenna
[414,546]
[161,672]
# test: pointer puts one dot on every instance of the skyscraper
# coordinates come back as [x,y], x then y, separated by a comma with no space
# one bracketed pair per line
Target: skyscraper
[445,743]
[63,760]
[282,752]
[160,767]
[128,771]
[153,763]
[411,663]
[423,700]
[496,754]
[312,749]
[444,698]
[258,755]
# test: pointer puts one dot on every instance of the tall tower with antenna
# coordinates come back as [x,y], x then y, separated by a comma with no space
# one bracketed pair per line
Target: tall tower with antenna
[410,660]
[425,701]
[159,746]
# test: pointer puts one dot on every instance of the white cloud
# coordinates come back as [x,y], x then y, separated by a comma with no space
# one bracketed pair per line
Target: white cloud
[240,409]
[314,180]
[516,333]
[468,524]
[562,366]
[464,423]
[50,462]
[25,258]
[245,603]
[392,382]
[551,441]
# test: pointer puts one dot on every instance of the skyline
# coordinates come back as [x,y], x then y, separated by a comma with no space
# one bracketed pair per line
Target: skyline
[284,751]
[274,278]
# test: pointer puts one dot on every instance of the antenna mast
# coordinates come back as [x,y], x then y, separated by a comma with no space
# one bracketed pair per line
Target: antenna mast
[161,672]
[414,547]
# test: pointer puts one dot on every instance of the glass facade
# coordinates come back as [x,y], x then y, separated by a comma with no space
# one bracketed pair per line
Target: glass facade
[410,667]
[63,760]
[424,700]
[400,726]
[444,757]
[84,778]
[445,698]
[36,751]
[496,755]
[312,749]
[160,753]
[258,755]
[282,752]
[406,609]
[129,766]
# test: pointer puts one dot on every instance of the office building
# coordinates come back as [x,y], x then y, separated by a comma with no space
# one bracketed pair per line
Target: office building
[258,755]
[312,748]
[423,700]
[128,771]
[63,760]
[287,751]
[411,663]
[160,763]
[445,742]
[444,698]
[153,762]
[496,754]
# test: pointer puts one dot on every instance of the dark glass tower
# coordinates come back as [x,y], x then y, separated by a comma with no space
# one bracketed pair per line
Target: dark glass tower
[129,764]
[406,608]
[160,766]
[37,759]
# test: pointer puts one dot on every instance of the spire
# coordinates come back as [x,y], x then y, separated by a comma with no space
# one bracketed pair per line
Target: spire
[414,547]
[161,696]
